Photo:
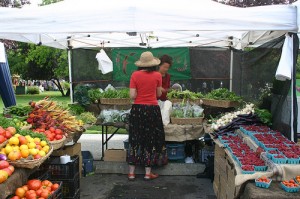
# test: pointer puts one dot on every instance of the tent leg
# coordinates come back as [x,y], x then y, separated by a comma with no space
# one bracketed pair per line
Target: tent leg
[292,109]
[231,69]
[70,75]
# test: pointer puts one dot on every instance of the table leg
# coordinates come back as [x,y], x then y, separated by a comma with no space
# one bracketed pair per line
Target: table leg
[106,143]
[102,127]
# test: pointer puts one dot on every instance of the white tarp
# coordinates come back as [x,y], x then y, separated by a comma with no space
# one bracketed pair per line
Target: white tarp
[168,23]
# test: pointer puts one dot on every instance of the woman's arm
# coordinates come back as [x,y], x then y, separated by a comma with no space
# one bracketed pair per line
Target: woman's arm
[132,93]
[158,91]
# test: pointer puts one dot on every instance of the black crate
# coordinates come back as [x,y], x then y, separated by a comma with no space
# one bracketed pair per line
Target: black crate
[62,171]
[77,195]
[41,174]
[70,186]
[58,193]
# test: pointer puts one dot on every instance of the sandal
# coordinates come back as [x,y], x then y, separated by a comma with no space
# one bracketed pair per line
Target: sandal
[150,176]
[131,176]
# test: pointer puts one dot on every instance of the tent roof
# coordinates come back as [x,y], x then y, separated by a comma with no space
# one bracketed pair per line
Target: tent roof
[167,23]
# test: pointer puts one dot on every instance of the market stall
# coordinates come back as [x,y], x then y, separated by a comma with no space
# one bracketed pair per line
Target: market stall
[36,151]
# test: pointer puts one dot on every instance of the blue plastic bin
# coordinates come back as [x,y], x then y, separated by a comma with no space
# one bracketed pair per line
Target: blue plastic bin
[87,161]
[175,151]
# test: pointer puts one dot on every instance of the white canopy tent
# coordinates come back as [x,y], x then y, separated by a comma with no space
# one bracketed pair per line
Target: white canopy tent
[135,23]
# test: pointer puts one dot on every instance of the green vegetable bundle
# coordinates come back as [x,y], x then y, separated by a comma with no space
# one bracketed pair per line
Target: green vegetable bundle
[94,94]
[174,94]
[223,94]
[122,93]
[18,110]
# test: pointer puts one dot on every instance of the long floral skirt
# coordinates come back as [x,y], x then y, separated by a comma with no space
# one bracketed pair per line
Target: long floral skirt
[146,136]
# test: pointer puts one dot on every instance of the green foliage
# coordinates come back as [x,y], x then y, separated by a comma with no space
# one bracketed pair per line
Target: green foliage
[18,110]
[87,118]
[47,2]
[223,94]
[122,93]
[76,109]
[174,94]
[6,122]
[32,90]
[65,85]
[264,115]
[81,95]
[94,95]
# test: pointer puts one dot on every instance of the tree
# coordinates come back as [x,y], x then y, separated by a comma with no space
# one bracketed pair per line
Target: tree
[39,62]
[250,3]
[47,2]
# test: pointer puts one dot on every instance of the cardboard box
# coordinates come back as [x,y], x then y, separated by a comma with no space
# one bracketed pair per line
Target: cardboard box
[68,150]
[115,155]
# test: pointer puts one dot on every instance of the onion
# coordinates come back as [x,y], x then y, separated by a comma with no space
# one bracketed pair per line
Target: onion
[3,157]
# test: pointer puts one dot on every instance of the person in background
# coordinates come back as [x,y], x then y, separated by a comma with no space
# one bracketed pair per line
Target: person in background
[164,66]
[146,131]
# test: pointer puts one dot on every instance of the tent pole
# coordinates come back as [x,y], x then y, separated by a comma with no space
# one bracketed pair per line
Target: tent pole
[231,68]
[70,75]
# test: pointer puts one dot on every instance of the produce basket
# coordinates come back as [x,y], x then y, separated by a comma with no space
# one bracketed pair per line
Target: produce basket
[289,189]
[57,144]
[220,103]
[184,121]
[115,101]
[263,184]
[3,144]
[30,164]
[178,101]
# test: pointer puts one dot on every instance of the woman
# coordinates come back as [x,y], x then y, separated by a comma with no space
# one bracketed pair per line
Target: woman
[146,132]
[164,66]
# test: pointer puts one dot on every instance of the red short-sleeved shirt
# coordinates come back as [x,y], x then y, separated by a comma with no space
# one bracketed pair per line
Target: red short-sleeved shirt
[166,85]
[145,84]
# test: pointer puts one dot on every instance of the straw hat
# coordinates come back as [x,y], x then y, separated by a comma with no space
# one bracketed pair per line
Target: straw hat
[147,60]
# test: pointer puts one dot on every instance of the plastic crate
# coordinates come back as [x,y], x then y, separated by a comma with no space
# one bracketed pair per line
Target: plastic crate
[293,161]
[126,144]
[260,168]
[263,184]
[58,170]
[204,153]
[40,174]
[279,160]
[77,195]
[87,160]
[70,186]
[58,193]
[290,189]
[175,151]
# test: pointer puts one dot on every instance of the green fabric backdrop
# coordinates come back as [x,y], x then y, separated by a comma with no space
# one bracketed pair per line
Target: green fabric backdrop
[124,59]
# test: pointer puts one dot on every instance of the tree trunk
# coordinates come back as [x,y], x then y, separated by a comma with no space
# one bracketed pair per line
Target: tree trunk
[57,83]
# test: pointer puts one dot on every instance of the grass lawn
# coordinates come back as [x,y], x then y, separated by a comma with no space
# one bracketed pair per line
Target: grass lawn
[56,95]
[24,99]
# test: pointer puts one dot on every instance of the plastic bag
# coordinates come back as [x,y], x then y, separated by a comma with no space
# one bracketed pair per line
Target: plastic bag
[165,108]
[105,64]
[109,87]
[198,110]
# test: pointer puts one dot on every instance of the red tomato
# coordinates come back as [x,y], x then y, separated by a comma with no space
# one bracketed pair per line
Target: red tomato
[8,134]
[58,137]
[54,187]
[34,184]
[20,192]
[15,197]
[45,193]
[2,139]
[47,183]
[39,192]
[30,194]
[58,132]
[52,129]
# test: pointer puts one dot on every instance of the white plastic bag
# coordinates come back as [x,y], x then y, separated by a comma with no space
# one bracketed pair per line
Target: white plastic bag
[105,64]
[109,87]
[165,108]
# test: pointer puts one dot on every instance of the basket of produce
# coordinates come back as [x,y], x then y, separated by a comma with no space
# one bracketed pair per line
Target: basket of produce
[187,114]
[115,101]
[290,186]
[221,97]
[263,182]
[36,188]
[115,97]
[57,144]
[177,97]
[27,149]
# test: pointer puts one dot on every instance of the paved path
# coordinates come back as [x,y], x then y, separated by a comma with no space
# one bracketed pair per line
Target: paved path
[113,186]
[92,143]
